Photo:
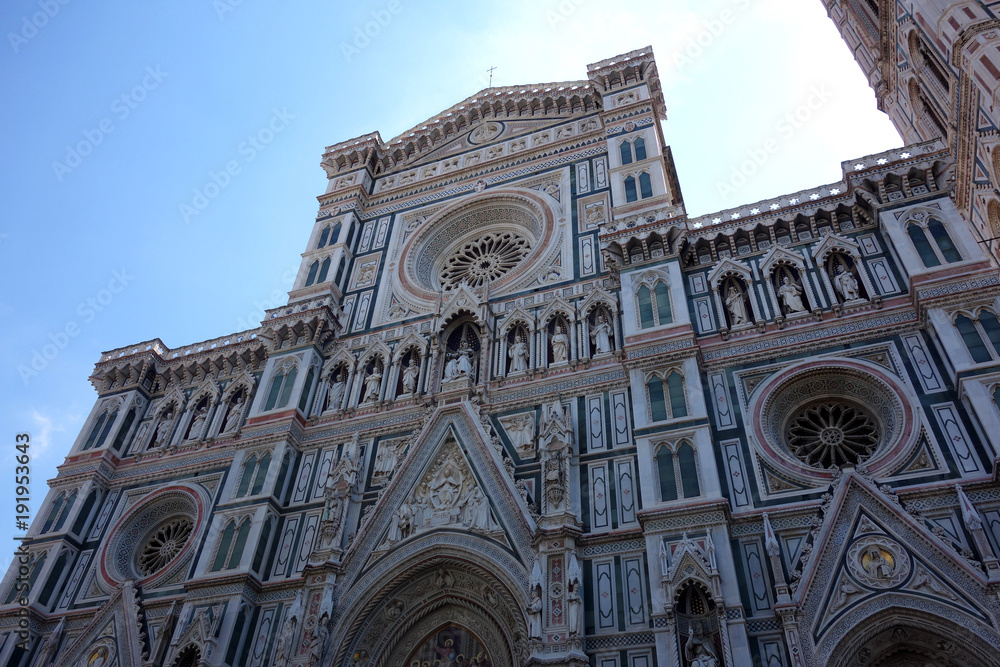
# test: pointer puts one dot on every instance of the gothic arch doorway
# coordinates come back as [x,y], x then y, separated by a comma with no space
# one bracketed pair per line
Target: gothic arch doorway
[900,637]
[437,604]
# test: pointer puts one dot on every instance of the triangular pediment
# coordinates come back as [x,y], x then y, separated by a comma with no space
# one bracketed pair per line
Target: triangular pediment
[870,555]
[781,255]
[437,487]
[112,632]
[834,243]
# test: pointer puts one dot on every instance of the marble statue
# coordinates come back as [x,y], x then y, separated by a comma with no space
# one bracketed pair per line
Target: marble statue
[163,429]
[791,295]
[410,376]
[233,418]
[198,423]
[335,394]
[560,346]
[518,354]
[698,653]
[736,306]
[535,615]
[601,335]
[373,385]
[846,284]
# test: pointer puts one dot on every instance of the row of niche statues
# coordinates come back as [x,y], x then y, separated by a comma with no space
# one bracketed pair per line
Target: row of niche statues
[198,427]
[789,290]
[519,353]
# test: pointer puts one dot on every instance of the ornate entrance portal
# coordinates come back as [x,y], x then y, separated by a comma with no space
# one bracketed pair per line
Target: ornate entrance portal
[451,645]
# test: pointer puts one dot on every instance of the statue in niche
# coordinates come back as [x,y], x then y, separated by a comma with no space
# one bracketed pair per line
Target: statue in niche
[163,428]
[410,371]
[790,294]
[283,650]
[736,305]
[403,526]
[444,578]
[698,653]
[600,334]
[518,354]
[846,284]
[878,566]
[560,345]
[478,515]
[556,441]
[317,647]
[386,460]
[535,615]
[235,413]
[335,394]
[198,423]
[460,363]
[521,430]
[573,594]
[373,384]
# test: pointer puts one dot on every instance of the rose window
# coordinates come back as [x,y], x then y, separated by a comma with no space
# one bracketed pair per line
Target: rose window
[485,259]
[832,434]
[163,545]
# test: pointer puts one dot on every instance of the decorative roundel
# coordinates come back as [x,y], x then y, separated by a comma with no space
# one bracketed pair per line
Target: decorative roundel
[811,418]
[484,259]
[153,537]
[878,561]
[832,433]
[164,544]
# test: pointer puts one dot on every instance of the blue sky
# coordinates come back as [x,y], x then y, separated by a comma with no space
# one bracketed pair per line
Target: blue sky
[117,114]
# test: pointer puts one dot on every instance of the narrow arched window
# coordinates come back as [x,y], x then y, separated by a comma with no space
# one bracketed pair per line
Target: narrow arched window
[261,475]
[944,242]
[53,513]
[239,545]
[991,326]
[67,508]
[663,314]
[645,185]
[81,520]
[645,308]
[626,152]
[54,576]
[640,148]
[630,193]
[272,396]
[237,636]
[286,390]
[123,431]
[224,546]
[675,387]
[340,270]
[657,405]
[668,479]
[919,240]
[247,478]
[689,470]
[96,431]
[279,488]
[973,341]
[107,429]
[313,268]
[335,233]
[258,557]
[306,389]
[323,270]
[323,237]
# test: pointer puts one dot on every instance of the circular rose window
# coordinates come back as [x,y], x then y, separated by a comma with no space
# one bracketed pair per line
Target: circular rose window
[832,434]
[484,259]
[163,545]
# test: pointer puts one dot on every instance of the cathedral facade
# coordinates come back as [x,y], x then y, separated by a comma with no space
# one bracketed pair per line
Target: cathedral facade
[521,409]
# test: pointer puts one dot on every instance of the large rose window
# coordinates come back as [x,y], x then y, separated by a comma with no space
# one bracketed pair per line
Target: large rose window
[832,434]
[484,259]
[163,545]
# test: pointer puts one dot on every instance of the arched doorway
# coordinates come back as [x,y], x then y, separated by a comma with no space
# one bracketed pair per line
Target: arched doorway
[898,637]
[435,604]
